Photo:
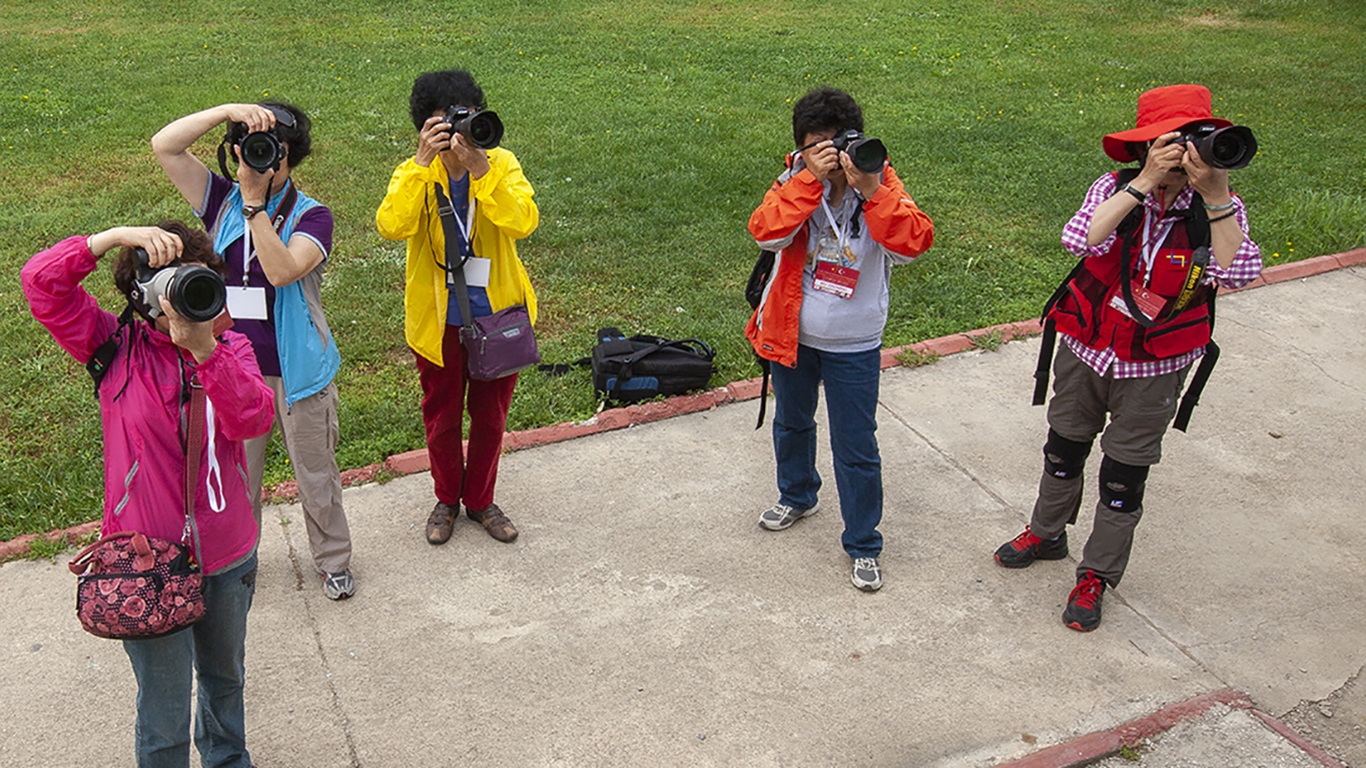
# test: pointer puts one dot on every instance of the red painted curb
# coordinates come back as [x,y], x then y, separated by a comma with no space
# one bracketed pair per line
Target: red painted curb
[1352,258]
[19,545]
[412,462]
[1096,746]
[1299,269]
[1293,736]
[1093,747]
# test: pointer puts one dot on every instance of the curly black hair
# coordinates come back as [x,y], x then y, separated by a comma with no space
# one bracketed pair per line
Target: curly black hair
[825,109]
[439,90]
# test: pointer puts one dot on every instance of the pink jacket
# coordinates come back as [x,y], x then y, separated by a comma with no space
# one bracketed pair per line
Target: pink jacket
[141,413]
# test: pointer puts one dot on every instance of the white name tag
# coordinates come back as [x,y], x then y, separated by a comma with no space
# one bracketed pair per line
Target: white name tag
[477,272]
[246,303]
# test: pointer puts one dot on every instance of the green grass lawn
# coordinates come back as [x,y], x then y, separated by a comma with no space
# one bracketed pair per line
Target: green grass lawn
[650,131]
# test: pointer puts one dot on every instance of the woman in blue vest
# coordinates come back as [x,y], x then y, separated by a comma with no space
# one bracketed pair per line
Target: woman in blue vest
[275,240]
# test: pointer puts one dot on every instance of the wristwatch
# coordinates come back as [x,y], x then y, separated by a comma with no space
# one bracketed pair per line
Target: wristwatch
[251,210]
[1139,196]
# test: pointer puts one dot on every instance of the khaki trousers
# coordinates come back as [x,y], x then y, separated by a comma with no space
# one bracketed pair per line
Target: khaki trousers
[309,429]
[1139,412]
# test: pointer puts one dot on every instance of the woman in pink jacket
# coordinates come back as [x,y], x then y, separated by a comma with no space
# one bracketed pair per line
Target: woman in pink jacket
[144,399]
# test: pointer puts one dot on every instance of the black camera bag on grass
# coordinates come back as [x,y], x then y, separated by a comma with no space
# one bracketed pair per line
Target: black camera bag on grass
[638,368]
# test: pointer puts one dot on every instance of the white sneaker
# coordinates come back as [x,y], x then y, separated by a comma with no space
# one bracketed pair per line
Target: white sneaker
[339,586]
[866,575]
[781,516]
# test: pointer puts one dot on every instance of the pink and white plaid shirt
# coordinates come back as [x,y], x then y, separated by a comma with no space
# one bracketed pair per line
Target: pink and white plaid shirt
[1246,266]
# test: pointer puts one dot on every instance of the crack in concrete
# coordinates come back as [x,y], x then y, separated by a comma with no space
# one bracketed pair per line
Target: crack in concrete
[322,653]
[953,462]
[1304,355]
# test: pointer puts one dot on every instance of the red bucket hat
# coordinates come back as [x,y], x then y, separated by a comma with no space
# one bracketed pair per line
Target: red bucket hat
[1163,110]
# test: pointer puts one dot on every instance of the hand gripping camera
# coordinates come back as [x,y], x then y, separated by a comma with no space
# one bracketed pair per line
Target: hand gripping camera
[196,292]
[1231,147]
[262,151]
[868,154]
[483,129]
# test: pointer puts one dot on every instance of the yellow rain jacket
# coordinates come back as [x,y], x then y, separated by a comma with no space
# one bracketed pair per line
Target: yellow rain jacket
[504,213]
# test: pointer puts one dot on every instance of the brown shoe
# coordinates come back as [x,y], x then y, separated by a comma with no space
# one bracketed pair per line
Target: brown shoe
[495,522]
[440,521]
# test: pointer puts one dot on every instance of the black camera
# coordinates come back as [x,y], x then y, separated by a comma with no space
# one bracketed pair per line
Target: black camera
[1230,147]
[262,151]
[196,292]
[483,129]
[868,154]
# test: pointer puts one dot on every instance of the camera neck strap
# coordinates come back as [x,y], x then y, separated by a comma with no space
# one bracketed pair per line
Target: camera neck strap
[1198,237]
[454,266]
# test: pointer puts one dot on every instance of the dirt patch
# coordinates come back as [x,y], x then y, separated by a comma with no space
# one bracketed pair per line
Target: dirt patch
[1336,723]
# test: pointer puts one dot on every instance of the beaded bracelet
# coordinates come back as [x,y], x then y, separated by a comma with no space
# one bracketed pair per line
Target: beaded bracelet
[1221,218]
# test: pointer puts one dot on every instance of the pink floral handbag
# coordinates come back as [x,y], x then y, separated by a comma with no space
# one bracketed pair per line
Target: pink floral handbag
[133,587]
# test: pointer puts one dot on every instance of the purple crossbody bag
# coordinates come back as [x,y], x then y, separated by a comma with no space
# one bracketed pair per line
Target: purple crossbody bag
[498,345]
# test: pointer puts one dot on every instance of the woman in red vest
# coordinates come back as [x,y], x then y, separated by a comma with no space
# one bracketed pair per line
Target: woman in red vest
[1133,320]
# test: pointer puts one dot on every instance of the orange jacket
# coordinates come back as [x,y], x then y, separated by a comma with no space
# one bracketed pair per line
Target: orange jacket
[892,220]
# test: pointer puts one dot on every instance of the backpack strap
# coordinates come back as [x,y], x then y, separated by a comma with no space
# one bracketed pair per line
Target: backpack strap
[687,345]
[1128,227]
[1050,335]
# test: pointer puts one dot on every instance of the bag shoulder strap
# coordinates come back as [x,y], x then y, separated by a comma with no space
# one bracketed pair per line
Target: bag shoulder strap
[194,442]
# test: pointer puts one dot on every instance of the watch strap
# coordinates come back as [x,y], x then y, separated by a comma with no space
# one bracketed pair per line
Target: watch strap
[1139,196]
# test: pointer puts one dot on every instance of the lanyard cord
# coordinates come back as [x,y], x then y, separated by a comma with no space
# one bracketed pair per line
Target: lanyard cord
[282,213]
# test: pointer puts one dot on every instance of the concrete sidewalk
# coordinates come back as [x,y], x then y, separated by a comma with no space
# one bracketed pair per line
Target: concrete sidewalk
[643,618]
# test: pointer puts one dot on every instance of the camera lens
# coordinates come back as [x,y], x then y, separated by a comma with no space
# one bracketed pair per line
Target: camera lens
[483,129]
[1231,147]
[261,151]
[197,293]
[868,155]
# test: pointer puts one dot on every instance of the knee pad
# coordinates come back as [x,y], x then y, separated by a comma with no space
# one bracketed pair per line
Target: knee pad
[1121,485]
[1065,459]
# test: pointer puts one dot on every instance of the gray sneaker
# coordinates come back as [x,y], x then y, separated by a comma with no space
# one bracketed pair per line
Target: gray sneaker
[339,586]
[780,516]
[867,576]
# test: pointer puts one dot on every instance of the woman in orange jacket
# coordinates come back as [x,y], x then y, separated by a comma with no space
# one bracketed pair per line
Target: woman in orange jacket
[841,219]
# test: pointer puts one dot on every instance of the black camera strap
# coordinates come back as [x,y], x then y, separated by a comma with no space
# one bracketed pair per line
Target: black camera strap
[1198,235]
[446,210]
[103,356]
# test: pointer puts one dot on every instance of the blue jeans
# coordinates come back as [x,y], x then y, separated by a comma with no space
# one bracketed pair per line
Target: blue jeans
[851,391]
[215,647]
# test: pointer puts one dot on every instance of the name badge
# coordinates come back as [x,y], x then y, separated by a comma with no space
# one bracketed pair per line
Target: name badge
[1150,303]
[246,303]
[477,272]
[833,279]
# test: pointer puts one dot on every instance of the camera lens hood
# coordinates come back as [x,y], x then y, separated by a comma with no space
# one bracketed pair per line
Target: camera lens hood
[197,293]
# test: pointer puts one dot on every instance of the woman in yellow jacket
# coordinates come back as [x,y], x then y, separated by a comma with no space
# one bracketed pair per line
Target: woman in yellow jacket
[494,209]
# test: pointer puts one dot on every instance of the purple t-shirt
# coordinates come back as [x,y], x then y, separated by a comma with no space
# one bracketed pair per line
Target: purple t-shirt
[315,224]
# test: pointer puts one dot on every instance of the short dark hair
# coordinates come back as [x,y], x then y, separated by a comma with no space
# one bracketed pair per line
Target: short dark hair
[297,136]
[824,109]
[439,90]
[198,249]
